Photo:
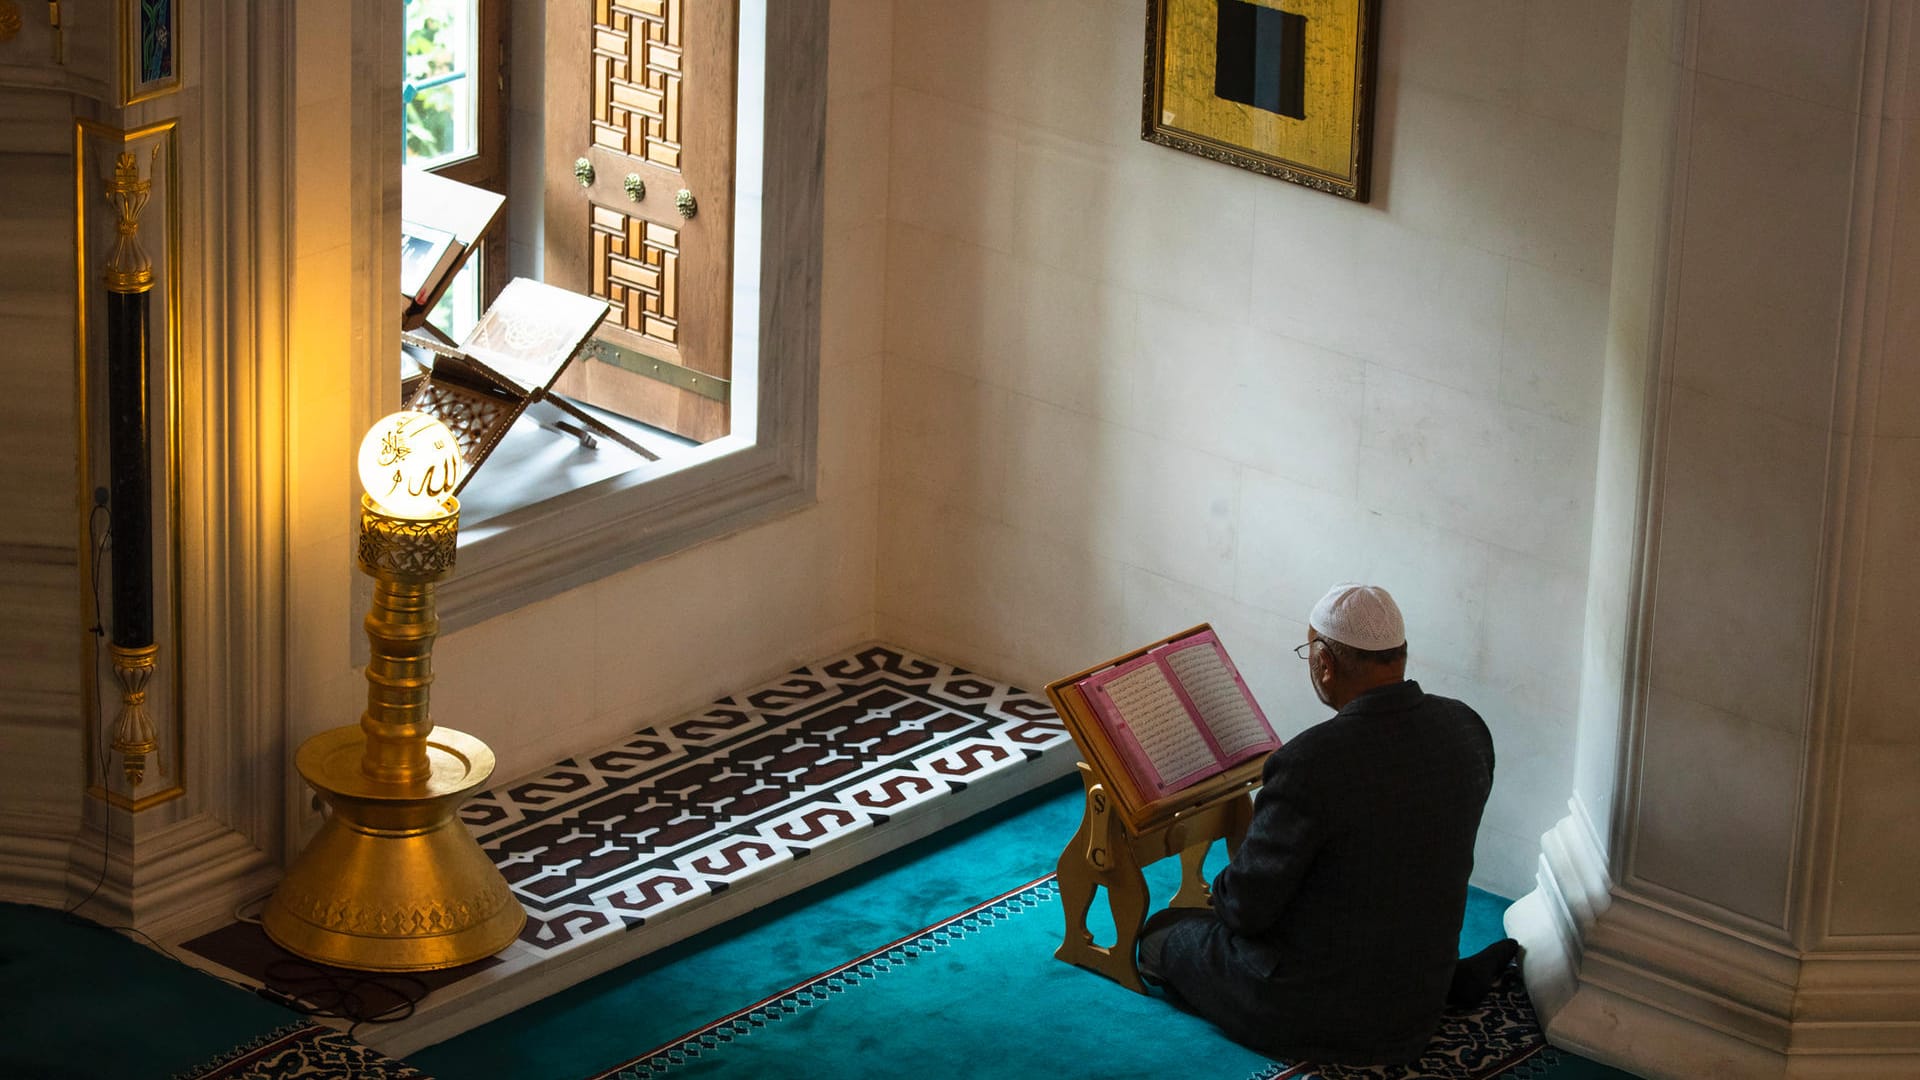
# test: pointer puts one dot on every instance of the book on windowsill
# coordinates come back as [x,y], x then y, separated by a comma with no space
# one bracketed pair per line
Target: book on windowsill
[436,203]
[509,361]
[427,255]
[1170,716]
[530,332]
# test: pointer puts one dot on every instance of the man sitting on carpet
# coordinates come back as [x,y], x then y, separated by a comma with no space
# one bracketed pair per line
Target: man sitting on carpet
[1334,929]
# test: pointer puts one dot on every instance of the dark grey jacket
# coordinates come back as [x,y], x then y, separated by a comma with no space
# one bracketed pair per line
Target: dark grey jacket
[1337,923]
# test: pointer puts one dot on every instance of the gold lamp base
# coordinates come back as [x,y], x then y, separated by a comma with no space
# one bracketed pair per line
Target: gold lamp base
[393,881]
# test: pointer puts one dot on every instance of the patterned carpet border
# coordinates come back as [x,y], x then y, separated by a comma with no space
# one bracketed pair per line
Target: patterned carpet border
[305,1051]
[821,988]
[1500,1038]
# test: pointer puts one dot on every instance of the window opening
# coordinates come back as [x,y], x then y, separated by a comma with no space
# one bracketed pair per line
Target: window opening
[442,49]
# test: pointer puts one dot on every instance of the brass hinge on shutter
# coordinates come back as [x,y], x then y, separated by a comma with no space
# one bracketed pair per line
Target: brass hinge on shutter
[697,382]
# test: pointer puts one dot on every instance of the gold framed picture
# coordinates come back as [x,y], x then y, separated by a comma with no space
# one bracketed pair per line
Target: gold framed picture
[149,49]
[1281,87]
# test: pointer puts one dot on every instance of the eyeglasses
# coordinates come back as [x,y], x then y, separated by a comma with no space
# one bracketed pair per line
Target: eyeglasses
[1305,648]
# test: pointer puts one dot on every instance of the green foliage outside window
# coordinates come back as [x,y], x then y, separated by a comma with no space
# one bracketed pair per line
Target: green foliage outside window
[439,41]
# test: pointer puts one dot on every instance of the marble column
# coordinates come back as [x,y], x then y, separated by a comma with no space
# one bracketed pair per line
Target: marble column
[1736,891]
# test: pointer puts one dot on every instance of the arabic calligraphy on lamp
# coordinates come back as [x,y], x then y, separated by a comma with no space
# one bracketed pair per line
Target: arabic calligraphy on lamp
[410,466]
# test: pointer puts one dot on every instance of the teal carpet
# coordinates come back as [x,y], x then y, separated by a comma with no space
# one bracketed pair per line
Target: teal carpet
[982,997]
[81,1001]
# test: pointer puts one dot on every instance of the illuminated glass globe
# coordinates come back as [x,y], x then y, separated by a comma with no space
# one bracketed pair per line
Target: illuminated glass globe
[410,465]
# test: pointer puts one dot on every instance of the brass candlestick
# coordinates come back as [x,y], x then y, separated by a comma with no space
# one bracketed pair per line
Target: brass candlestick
[393,881]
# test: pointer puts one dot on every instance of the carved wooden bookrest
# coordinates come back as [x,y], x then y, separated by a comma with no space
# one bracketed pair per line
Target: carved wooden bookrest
[1108,851]
[1124,829]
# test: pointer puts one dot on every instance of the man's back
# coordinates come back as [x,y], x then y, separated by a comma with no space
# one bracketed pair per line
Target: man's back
[1339,916]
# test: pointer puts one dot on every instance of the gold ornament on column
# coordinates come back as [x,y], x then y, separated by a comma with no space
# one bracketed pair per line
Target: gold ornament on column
[128,268]
[133,733]
[393,881]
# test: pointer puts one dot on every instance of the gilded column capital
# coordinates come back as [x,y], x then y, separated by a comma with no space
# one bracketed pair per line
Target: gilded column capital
[128,270]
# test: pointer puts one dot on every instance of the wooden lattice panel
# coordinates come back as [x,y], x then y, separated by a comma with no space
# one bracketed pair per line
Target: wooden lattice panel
[636,78]
[636,268]
[478,420]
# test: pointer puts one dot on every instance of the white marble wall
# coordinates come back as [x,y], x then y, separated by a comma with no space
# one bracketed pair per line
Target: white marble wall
[1128,390]
[42,770]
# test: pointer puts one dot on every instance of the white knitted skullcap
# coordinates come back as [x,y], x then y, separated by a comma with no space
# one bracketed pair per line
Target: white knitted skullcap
[1362,616]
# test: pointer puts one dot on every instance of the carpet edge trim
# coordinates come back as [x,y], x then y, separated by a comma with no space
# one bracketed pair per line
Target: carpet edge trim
[252,1046]
[690,1044]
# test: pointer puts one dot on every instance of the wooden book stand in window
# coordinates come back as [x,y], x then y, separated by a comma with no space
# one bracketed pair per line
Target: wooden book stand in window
[1125,829]
[509,361]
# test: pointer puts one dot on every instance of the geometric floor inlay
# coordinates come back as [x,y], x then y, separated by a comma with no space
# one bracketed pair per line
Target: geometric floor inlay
[683,825]
[678,812]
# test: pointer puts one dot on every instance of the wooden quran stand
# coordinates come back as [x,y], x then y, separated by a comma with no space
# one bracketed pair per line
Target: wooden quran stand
[1122,831]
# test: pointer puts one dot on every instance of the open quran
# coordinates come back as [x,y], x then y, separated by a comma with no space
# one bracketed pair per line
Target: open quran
[1165,719]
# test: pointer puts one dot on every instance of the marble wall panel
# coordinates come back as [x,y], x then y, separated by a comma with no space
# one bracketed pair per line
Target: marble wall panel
[1530,649]
[1721,784]
[860,128]
[851,418]
[1441,579]
[1874,881]
[1278,405]
[1883,682]
[1575,62]
[1436,185]
[860,49]
[1295,541]
[1133,216]
[1048,63]
[1768,187]
[1898,400]
[1505,863]
[524,679]
[1066,340]
[1470,465]
[1808,49]
[1370,288]
[1464,48]
[945,438]
[37,439]
[1737,565]
[852,323]
[1554,324]
[951,170]
[943,297]
[1121,494]
[1553,186]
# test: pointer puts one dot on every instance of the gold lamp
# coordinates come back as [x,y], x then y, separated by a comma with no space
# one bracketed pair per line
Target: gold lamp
[393,881]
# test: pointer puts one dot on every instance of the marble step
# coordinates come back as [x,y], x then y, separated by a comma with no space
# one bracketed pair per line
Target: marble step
[682,826]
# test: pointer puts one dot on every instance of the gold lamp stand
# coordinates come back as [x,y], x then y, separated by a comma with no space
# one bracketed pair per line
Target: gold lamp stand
[393,881]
